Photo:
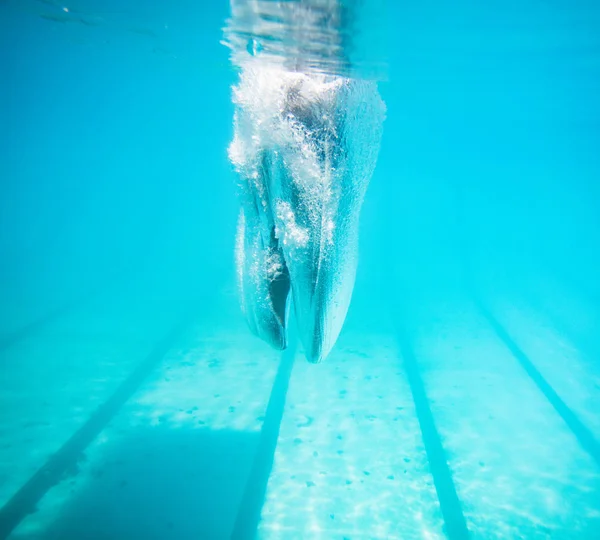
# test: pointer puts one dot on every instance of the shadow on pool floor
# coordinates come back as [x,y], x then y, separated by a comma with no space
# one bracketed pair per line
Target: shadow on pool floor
[159,483]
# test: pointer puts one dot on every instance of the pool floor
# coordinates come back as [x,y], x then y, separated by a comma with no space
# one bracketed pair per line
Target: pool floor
[467,413]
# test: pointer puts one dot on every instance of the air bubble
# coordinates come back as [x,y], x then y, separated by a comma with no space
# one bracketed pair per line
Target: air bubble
[254,47]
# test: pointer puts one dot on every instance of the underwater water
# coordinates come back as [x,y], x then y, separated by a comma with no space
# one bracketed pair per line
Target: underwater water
[461,398]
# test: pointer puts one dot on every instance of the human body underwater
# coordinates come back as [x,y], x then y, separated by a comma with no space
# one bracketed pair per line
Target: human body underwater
[306,138]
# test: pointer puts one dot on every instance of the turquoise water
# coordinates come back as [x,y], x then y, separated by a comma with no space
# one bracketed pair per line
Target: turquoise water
[461,399]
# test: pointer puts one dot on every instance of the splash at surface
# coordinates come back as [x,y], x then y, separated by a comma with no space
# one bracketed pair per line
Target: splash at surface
[305,146]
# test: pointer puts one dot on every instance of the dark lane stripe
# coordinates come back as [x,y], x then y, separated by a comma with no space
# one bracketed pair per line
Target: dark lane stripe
[25,500]
[250,509]
[455,523]
[34,327]
[586,439]
[31,328]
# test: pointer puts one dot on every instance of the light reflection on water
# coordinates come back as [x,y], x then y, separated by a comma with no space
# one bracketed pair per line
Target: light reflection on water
[325,36]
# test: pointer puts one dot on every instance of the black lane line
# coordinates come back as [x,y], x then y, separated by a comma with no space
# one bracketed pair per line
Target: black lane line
[585,437]
[249,511]
[25,500]
[31,328]
[562,326]
[35,326]
[455,525]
